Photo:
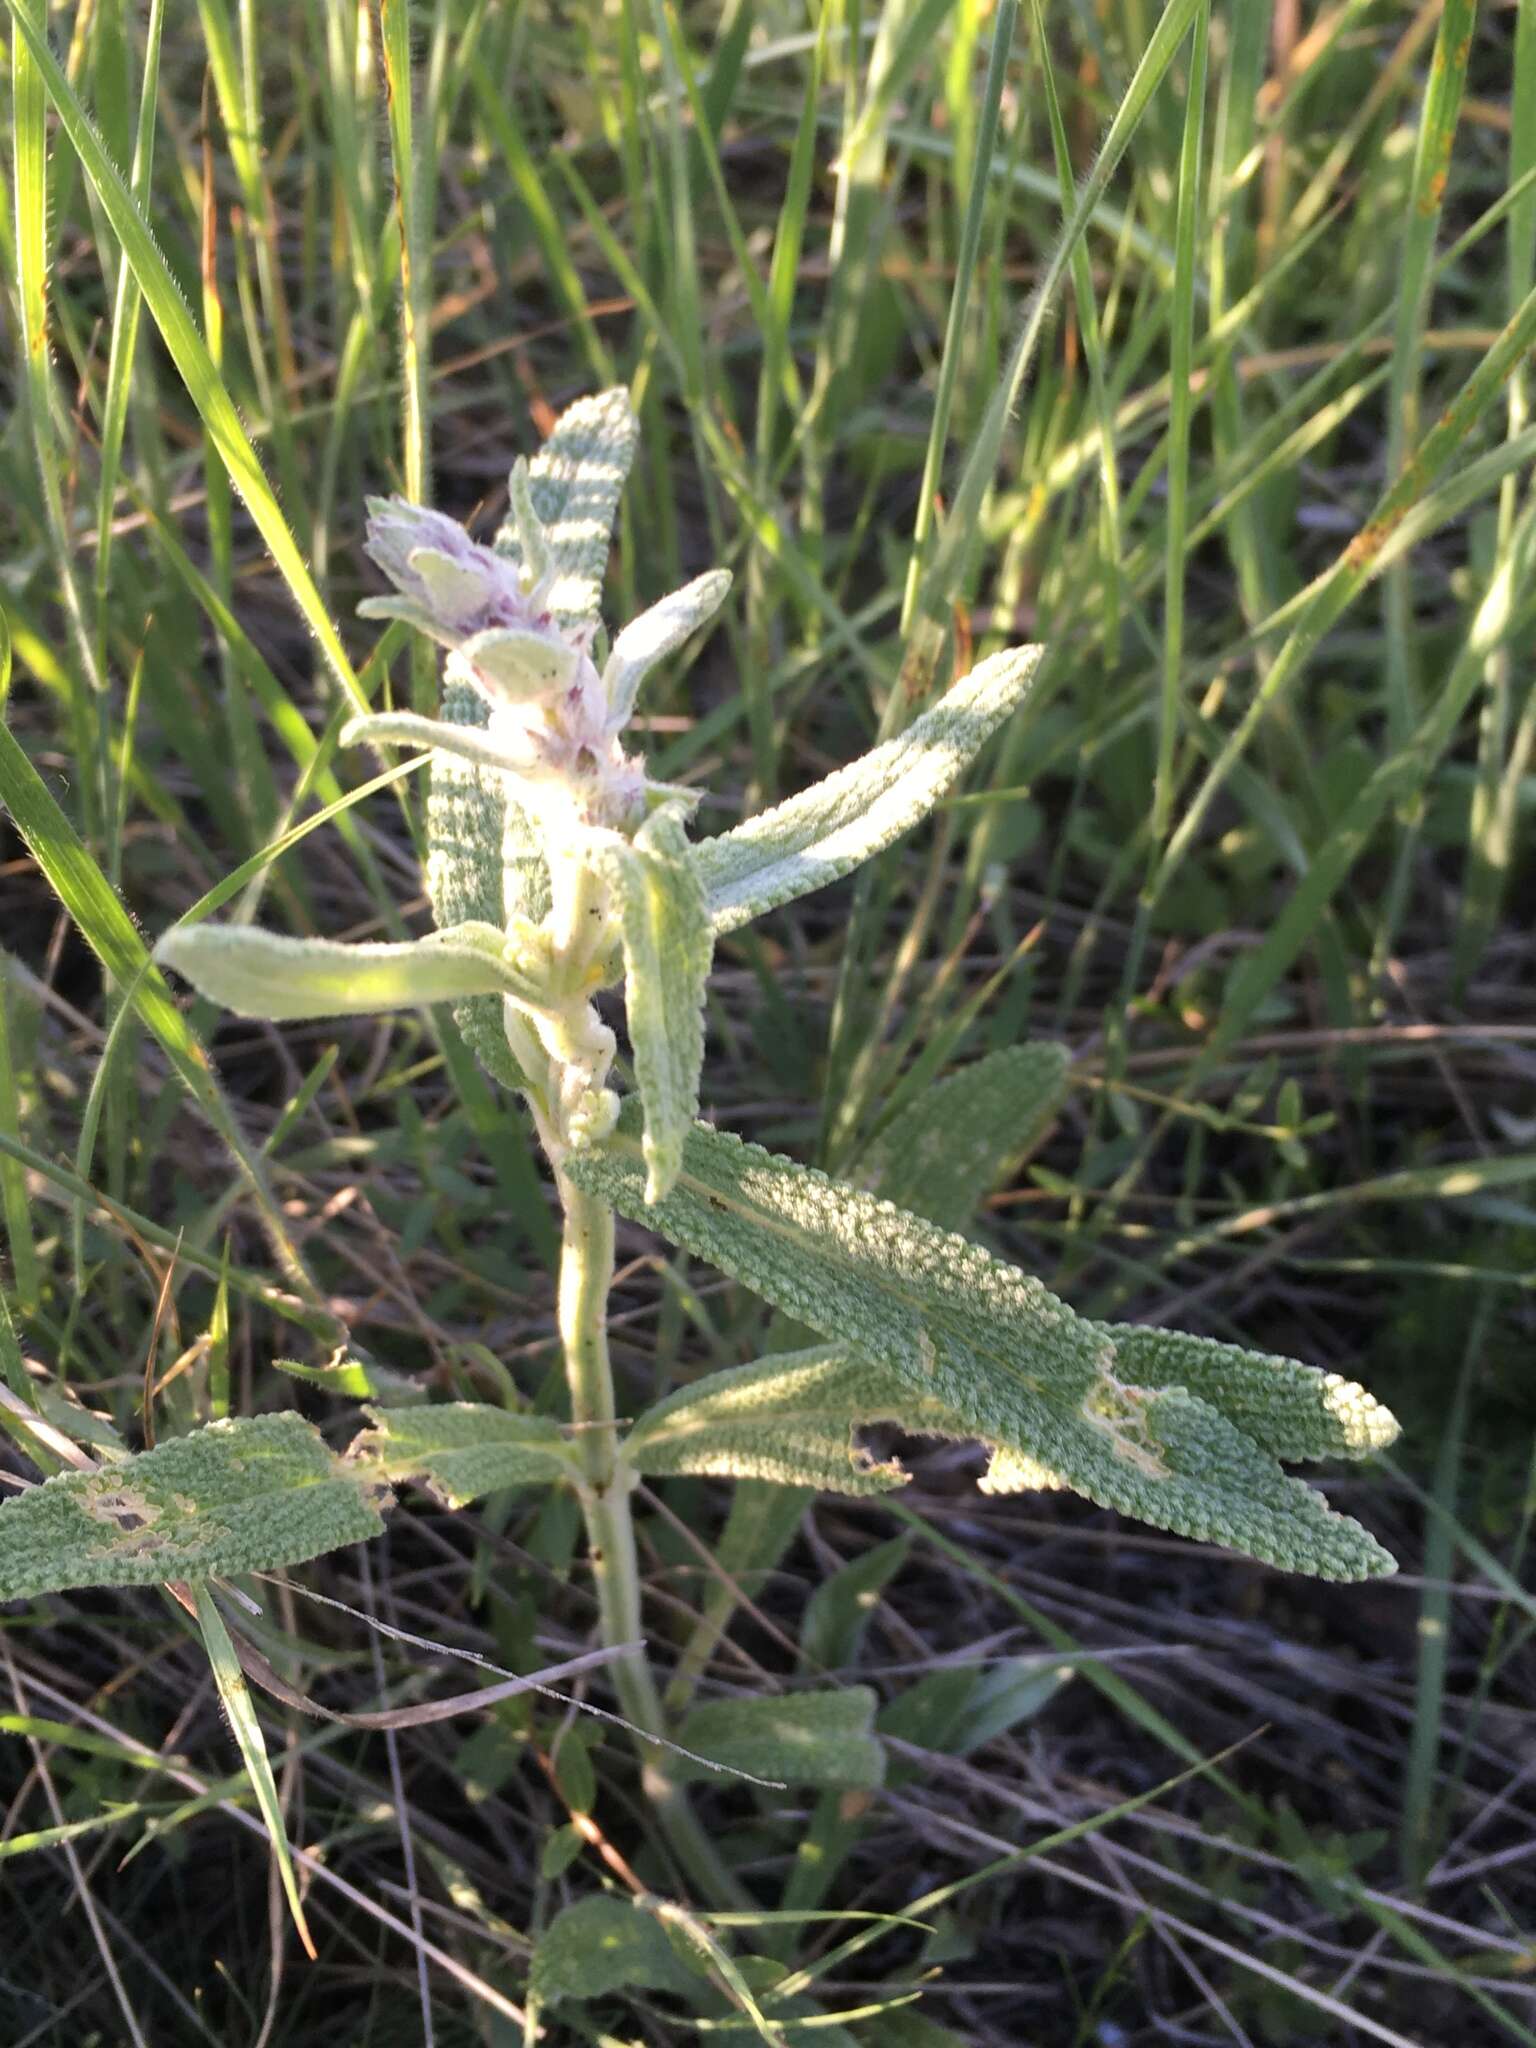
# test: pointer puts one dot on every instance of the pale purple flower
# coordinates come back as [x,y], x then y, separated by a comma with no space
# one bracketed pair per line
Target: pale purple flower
[449,585]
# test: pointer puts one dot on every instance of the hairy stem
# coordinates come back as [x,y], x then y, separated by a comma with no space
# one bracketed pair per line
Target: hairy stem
[586,1270]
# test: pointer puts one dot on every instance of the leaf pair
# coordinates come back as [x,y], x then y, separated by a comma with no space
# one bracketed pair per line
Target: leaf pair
[1176,1431]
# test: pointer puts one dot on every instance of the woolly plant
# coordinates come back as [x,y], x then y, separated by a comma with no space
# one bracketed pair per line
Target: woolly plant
[558,870]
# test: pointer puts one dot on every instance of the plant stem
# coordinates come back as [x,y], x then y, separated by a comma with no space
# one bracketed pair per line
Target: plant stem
[586,1271]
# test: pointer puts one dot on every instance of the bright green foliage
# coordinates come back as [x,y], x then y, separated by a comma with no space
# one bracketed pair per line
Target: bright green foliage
[463,1449]
[239,1496]
[668,947]
[801,1738]
[601,1945]
[962,1136]
[832,828]
[789,1418]
[267,974]
[1005,1360]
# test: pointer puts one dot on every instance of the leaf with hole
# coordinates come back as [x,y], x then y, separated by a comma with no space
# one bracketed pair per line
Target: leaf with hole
[249,1495]
[463,1449]
[991,1348]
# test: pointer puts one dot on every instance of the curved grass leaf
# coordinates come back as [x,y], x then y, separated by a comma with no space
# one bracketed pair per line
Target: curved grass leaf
[188,350]
[268,974]
[830,829]
[668,946]
[463,1449]
[1008,1361]
[235,1694]
[249,1495]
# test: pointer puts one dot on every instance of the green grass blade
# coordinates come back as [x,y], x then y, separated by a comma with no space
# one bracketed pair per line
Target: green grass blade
[235,1695]
[188,351]
[1181,338]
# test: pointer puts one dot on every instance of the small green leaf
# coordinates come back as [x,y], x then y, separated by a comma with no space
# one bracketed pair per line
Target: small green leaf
[832,828]
[463,1449]
[837,1615]
[802,1738]
[259,973]
[560,1852]
[667,952]
[941,1157]
[602,1945]
[249,1495]
[789,1418]
[357,1379]
[983,1350]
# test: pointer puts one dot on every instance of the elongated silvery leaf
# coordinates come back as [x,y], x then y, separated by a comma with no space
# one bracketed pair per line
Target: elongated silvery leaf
[574,484]
[788,1418]
[267,974]
[239,1496]
[801,1738]
[483,865]
[656,634]
[410,729]
[943,1155]
[1291,1410]
[1012,1364]
[667,950]
[463,1449]
[832,828]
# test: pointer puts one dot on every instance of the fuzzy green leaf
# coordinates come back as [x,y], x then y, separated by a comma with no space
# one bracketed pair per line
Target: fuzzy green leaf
[1291,1410]
[944,1154]
[574,484]
[259,973]
[657,633]
[1006,1360]
[832,828]
[667,950]
[601,1945]
[483,866]
[463,1449]
[803,1738]
[788,1418]
[249,1495]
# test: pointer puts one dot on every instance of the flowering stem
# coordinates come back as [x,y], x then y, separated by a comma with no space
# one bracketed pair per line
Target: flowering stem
[586,1271]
